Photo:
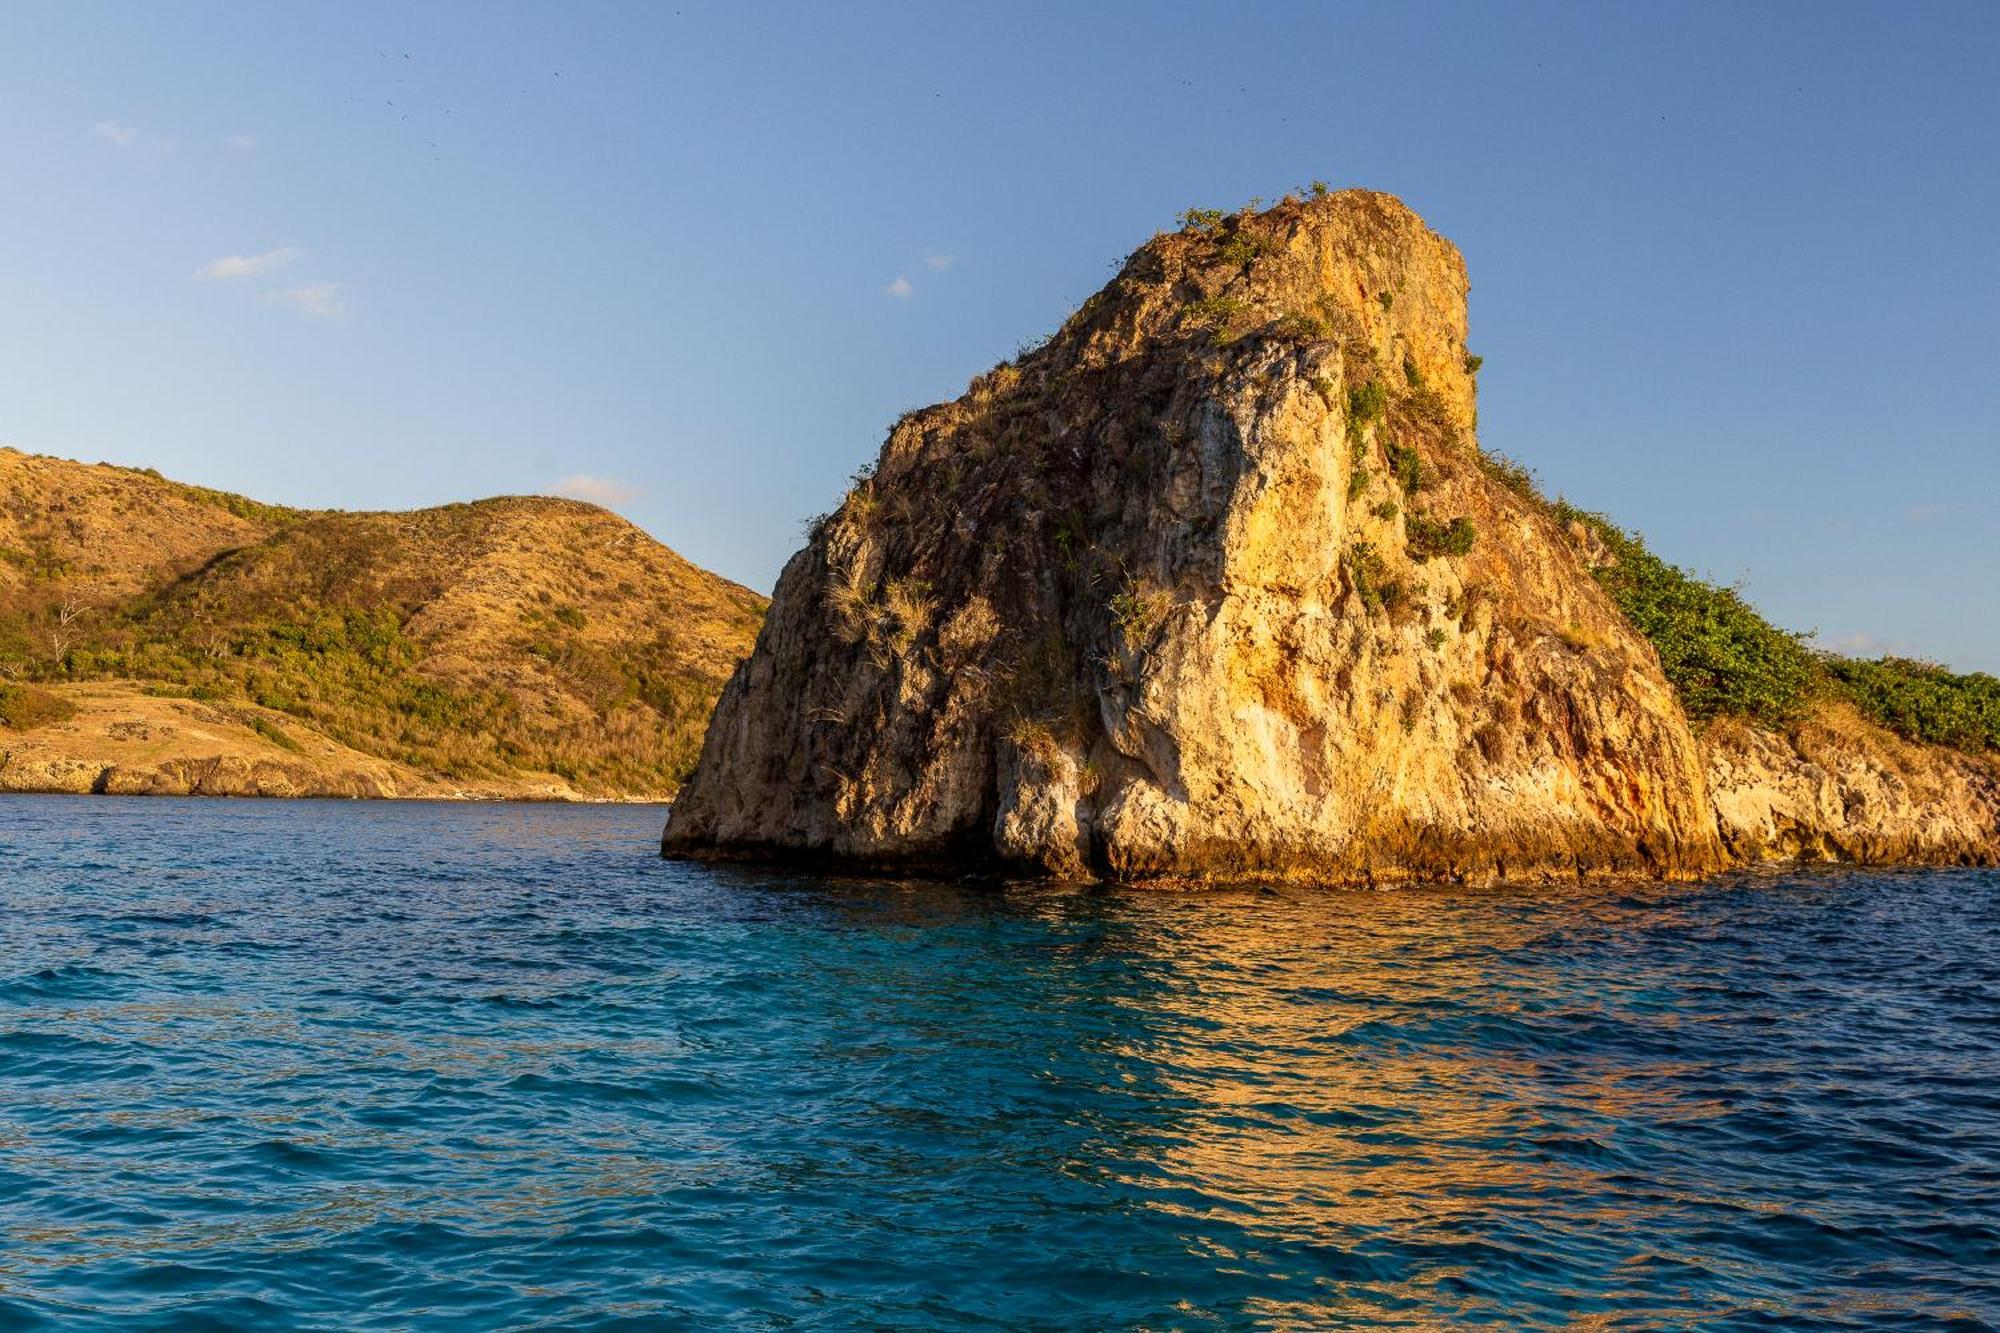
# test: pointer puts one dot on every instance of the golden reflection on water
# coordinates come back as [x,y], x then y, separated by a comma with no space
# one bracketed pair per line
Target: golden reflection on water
[1409,1109]
[1326,1101]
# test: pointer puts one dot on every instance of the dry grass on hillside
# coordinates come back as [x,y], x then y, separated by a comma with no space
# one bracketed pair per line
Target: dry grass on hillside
[471,642]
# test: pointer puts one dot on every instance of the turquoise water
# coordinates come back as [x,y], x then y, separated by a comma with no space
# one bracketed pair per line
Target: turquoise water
[273,1065]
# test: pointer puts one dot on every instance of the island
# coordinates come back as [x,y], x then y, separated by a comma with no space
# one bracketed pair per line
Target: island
[1217,584]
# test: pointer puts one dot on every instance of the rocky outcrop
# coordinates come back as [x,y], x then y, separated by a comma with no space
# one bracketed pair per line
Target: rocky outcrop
[1214,584]
[1839,788]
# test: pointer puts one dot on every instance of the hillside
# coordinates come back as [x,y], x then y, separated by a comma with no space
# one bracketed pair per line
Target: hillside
[1217,583]
[515,646]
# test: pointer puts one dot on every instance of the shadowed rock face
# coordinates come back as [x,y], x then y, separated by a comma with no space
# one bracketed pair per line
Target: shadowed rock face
[1213,584]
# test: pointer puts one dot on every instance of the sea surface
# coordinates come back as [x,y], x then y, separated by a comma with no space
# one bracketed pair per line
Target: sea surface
[271,1065]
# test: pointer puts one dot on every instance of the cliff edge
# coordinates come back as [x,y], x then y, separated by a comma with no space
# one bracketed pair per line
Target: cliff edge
[1212,585]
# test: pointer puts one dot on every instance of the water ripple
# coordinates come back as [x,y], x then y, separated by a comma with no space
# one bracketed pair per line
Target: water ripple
[299,1065]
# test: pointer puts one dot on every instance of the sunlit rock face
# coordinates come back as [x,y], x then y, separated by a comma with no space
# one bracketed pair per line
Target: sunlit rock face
[1214,584]
[1839,788]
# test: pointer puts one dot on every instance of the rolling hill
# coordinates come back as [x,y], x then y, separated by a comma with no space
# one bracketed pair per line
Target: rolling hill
[156,636]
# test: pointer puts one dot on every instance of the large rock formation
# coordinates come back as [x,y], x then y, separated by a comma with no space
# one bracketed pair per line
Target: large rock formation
[1213,584]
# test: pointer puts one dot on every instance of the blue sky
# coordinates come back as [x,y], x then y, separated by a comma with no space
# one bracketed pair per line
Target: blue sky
[1734,266]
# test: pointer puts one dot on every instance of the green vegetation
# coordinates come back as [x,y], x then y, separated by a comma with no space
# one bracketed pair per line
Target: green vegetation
[25,706]
[1138,609]
[1406,465]
[1725,659]
[1719,653]
[409,637]
[1922,701]
[1429,538]
[1217,313]
[1388,299]
[272,732]
[1368,574]
[1473,363]
[1515,477]
[1366,403]
[1207,221]
[1411,375]
[1244,245]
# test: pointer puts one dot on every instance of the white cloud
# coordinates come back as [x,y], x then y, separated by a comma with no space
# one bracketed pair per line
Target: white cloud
[938,263]
[230,267]
[124,136]
[597,490]
[1918,513]
[244,141]
[1863,645]
[315,300]
[901,289]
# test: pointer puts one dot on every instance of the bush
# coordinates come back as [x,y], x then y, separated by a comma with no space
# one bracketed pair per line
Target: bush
[1207,221]
[1514,476]
[1724,658]
[1366,403]
[1407,466]
[1922,701]
[1244,246]
[1719,653]
[1429,538]
[1215,312]
[1368,574]
[23,707]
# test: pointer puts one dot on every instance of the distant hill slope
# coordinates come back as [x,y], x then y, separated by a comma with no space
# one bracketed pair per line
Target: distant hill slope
[515,646]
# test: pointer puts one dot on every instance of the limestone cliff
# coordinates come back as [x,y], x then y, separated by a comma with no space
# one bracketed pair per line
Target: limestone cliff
[1214,584]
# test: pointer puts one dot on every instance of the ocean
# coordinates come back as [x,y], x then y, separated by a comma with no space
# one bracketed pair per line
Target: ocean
[282,1065]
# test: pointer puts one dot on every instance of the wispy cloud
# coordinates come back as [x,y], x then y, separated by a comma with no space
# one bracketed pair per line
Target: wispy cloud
[229,268]
[243,141]
[902,289]
[1918,513]
[1863,645]
[939,263]
[597,490]
[122,136]
[315,300]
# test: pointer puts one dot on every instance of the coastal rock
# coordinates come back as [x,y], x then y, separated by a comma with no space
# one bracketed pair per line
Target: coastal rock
[1839,788]
[1214,584]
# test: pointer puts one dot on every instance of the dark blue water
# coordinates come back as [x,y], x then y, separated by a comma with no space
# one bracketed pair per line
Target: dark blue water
[271,1065]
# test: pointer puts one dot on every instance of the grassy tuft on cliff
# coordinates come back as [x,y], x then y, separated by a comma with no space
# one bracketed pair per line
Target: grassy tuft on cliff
[493,640]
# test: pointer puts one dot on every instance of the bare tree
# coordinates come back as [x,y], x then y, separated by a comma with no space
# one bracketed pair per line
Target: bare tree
[65,628]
